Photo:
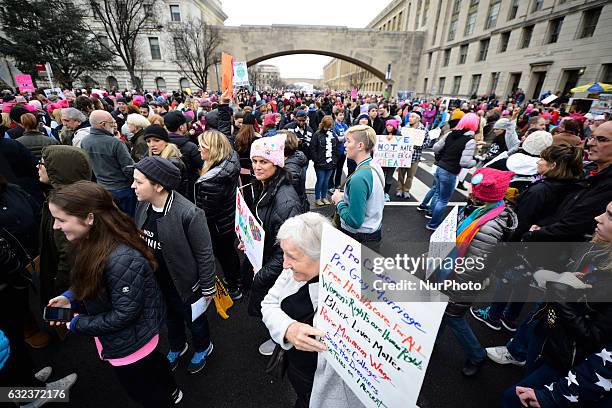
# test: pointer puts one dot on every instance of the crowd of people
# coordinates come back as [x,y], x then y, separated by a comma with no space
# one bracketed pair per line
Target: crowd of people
[119,203]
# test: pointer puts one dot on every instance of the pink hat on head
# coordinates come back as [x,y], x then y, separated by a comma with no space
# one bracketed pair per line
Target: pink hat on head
[505,112]
[270,148]
[189,114]
[6,107]
[269,119]
[20,99]
[392,122]
[29,108]
[490,185]
[139,98]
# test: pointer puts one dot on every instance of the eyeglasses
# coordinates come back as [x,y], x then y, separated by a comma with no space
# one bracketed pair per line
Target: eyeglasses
[599,139]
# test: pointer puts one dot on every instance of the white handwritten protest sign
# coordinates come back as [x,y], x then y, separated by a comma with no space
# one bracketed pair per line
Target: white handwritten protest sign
[380,348]
[434,134]
[250,232]
[442,241]
[393,151]
[417,136]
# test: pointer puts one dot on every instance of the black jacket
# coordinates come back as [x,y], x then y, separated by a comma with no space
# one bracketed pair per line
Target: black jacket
[324,150]
[129,312]
[575,217]
[186,246]
[296,165]
[215,193]
[191,158]
[273,206]
[304,136]
[539,200]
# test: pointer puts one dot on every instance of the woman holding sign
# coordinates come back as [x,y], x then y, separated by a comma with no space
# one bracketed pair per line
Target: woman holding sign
[114,291]
[288,311]
[275,201]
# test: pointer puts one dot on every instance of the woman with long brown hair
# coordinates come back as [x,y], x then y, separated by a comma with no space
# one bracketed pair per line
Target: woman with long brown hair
[242,145]
[114,291]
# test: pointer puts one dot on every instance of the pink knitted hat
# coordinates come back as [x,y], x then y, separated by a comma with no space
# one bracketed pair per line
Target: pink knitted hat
[271,148]
[490,185]
[269,119]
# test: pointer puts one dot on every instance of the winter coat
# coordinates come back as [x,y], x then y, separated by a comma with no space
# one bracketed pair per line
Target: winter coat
[273,206]
[567,139]
[296,165]
[575,217]
[35,142]
[324,150]
[304,136]
[65,165]
[483,246]
[110,159]
[19,167]
[539,200]
[215,193]
[129,313]
[191,158]
[186,246]
[140,149]
[455,151]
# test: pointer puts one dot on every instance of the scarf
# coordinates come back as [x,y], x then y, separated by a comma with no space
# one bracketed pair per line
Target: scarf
[469,227]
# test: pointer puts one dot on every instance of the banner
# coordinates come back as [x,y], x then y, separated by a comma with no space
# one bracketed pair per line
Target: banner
[250,232]
[379,347]
[24,82]
[393,151]
[241,74]
[602,105]
[227,72]
[443,240]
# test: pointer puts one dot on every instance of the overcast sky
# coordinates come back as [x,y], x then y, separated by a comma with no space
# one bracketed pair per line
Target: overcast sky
[349,13]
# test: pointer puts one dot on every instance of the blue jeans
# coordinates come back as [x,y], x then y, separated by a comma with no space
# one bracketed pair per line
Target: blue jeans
[322,184]
[520,345]
[446,186]
[179,314]
[125,200]
[432,195]
[465,336]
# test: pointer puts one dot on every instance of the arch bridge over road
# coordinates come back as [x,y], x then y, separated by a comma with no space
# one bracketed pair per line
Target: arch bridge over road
[370,49]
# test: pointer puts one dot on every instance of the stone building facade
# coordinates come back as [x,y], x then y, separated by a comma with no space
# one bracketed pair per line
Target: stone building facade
[483,46]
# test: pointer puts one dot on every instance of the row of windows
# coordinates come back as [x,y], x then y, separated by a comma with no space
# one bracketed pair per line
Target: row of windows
[147,8]
[587,29]
[589,19]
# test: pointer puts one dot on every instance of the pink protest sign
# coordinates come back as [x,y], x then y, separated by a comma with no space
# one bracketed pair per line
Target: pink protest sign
[24,82]
[353,93]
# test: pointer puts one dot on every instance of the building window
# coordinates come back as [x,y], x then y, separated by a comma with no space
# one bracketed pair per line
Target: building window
[484,49]
[513,10]
[493,13]
[504,38]
[470,23]
[463,50]
[429,58]
[184,83]
[111,82]
[160,83]
[515,80]
[441,84]
[589,22]
[148,10]
[527,34]
[425,11]
[554,29]
[537,5]
[175,13]
[447,54]
[452,27]
[606,74]
[494,81]
[425,85]
[456,85]
[154,46]
[475,84]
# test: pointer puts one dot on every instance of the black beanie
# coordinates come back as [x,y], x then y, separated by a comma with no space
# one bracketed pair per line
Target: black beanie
[16,112]
[156,131]
[173,120]
[160,171]
[249,119]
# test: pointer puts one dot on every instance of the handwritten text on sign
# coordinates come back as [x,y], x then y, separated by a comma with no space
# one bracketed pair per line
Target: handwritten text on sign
[393,151]
[442,241]
[250,232]
[379,347]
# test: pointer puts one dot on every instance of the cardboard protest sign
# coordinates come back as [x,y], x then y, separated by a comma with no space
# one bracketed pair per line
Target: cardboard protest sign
[442,241]
[227,72]
[549,99]
[250,232]
[379,347]
[434,134]
[24,82]
[393,151]
[417,136]
[241,74]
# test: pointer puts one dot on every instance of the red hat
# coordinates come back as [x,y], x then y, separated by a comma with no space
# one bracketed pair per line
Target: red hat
[490,185]
[269,119]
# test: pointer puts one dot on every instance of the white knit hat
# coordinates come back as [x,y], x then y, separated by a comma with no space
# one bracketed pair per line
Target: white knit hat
[536,142]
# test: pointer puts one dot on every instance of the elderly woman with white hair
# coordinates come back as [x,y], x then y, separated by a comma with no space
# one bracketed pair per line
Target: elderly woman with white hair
[288,312]
[136,123]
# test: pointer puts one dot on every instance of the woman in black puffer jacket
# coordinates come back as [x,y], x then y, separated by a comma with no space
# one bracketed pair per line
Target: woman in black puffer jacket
[215,193]
[114,291]
[275,202]
[296,164]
